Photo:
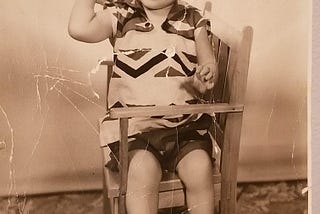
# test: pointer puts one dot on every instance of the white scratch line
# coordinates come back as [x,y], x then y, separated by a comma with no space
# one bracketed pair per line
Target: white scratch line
[305,190]
[65,69]
[85,118]
[78,110]
[11,164]
[38,94]
[198,205]
[294,133]
[84,97]
[270,115]
[59,79]
[37,141]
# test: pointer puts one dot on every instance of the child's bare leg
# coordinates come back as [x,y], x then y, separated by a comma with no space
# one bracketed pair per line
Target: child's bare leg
[144,176]
[195,170]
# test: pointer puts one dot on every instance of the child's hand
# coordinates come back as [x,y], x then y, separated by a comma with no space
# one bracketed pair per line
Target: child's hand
[205,77]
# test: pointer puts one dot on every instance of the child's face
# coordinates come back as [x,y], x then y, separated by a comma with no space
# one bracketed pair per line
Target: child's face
[157,4]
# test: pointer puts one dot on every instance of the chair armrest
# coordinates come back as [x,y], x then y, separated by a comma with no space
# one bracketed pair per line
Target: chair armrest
[107,62]
[128,112]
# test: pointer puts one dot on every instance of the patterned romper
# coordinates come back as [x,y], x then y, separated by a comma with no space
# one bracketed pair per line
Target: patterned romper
[154,66]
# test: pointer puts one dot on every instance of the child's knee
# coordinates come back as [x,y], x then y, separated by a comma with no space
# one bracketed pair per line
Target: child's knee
[144,167]
[195,168]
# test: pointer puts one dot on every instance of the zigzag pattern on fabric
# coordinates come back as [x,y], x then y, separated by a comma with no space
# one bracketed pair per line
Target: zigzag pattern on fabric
[123,62]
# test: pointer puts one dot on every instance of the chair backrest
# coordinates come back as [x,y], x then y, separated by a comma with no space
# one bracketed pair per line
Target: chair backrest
[232,51]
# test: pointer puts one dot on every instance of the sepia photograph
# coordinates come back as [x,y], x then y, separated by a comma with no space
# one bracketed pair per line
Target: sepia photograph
[157,106]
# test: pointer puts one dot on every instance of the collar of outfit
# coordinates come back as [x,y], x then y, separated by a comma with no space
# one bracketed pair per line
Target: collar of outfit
[180,13]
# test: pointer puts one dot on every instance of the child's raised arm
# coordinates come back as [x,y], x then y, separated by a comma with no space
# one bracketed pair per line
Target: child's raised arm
[207,71]
[86,25]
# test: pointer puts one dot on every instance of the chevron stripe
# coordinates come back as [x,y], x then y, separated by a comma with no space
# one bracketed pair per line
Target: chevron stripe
[163,65]
[191,58]
[190,65]
[136,64]
[135,68]
[141,70]
[187,71]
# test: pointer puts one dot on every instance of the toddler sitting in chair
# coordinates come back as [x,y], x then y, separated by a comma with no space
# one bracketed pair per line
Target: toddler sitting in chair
[162,56]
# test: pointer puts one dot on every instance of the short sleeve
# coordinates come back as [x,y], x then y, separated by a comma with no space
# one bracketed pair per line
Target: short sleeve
[114,11]
[202,22]
[120,12]
[114,19]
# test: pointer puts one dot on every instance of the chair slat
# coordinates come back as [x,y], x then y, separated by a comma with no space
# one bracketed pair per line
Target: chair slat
[221,90]
[223,59]
[216,45]
[174,198]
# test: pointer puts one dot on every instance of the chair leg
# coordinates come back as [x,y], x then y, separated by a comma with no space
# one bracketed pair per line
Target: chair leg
[123,155]
[233,199]
[228,204]
[107,206]
[230,207]
[217,208]
[106,201]
[115,206]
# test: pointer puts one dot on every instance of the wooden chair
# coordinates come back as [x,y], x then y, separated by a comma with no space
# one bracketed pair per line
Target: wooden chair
[232,49]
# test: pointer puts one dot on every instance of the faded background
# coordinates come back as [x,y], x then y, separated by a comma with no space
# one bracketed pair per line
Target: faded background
[48,115]
[314,160]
